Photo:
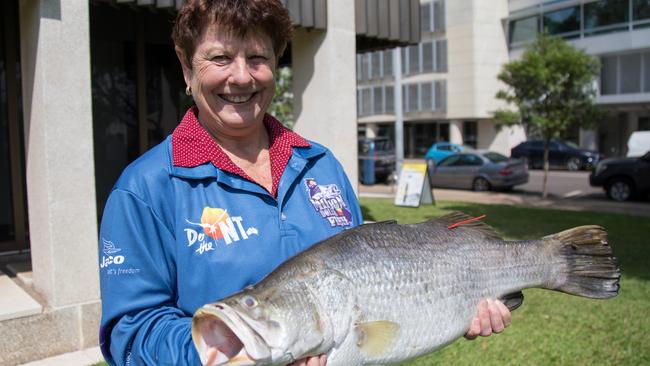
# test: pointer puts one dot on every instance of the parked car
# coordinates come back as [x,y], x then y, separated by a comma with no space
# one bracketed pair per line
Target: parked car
[623,178]
[561,154]
[479,171]
[441,150]
[380,150]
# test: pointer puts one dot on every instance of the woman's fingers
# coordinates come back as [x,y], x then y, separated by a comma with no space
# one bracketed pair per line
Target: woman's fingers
[496,318]
[492,316]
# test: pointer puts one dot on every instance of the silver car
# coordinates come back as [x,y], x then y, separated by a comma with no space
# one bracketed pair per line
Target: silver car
[479,171]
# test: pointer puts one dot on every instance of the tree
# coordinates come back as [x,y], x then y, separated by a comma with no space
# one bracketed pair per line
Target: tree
[282,105]
[551,89]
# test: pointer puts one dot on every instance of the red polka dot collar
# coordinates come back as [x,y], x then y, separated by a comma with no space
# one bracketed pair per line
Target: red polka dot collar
[192,146]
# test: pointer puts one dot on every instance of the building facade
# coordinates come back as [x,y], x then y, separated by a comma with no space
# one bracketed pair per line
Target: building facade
[448,80]
[615,31]
[85,88]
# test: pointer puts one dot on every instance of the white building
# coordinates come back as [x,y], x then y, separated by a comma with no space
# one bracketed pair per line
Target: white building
[615,31]
[448,80]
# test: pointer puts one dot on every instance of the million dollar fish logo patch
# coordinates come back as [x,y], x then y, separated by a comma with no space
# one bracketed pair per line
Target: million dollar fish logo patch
[328,202]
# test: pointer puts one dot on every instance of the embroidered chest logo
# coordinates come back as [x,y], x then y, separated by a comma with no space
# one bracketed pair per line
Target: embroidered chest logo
[217,225]
[329,203]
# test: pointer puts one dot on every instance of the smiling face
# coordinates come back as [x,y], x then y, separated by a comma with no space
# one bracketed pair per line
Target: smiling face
[232,80]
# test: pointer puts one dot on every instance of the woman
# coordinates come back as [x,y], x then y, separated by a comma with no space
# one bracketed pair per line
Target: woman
[224,200]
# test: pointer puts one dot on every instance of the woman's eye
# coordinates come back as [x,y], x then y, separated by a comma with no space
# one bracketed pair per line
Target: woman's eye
[258,59]
[221,59]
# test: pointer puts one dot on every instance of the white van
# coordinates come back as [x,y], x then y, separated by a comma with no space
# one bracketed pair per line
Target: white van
[638,143]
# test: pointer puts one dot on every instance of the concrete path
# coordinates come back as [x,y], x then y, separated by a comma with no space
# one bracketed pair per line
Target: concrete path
[579,203]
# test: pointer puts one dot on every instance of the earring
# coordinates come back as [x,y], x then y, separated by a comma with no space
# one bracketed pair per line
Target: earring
[188,90]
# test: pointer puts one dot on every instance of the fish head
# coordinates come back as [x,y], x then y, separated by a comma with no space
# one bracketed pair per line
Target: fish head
[274,326]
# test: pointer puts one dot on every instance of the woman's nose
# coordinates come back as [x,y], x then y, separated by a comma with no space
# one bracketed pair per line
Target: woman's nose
[240,73]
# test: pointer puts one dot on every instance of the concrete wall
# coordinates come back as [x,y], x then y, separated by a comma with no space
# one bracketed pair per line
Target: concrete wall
[55,61]
[324,81]
[477,51]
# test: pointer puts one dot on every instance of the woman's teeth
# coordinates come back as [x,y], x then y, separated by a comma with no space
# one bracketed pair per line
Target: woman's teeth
[242,98]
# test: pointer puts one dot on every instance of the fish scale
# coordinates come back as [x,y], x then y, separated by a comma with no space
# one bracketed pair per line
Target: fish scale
[385,293]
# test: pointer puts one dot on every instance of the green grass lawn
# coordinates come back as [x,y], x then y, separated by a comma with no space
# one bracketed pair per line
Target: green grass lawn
[553,328]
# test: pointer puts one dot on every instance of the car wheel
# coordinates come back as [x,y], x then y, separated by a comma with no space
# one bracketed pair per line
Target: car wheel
[620,189]
[574,164]
[480,185]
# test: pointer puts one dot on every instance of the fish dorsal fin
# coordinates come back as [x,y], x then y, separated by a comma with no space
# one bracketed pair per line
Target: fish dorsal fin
[385,222]
[374,338]
[512,301]
[478,225]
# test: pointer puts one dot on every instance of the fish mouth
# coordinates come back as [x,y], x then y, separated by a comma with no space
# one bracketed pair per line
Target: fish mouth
[222,337]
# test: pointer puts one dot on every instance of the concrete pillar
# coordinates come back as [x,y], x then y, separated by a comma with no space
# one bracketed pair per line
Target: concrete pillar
[324,82]
[456,132]
[55,59]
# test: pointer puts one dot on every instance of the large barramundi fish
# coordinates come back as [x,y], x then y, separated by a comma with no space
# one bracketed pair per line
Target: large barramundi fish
[384,293]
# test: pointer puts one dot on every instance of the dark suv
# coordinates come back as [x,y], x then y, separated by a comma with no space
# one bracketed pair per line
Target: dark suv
[381,153]
[561,154]
[623,178]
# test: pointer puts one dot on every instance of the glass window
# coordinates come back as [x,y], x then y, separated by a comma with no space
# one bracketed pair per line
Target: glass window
[608,75]
[365,67]
[414,59]
[641,10]
[426,96]
[562,21]
[440,95]
[413,97]
[470,159]
[378,100]
[359,68]
[495,157]
[388,62]
[366,101]
[606,13]
[450,160]
[438,16]
[630,73]
[389,99]
[425,17]
[441,56]
[376,64]
[644,124]
[646,72]
[427,57]
[524,30]
[470,133]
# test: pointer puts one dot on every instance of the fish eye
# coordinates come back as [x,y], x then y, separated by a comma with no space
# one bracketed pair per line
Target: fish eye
[249,301]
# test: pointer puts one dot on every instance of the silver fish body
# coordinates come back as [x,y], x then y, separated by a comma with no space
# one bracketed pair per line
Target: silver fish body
[385,293]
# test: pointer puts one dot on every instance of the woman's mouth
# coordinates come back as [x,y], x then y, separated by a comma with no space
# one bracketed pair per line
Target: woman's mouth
[237,98]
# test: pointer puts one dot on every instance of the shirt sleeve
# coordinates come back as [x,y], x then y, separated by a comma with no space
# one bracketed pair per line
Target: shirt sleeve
[141,324]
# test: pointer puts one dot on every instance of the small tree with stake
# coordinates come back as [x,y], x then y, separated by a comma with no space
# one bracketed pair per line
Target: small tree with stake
[552,90]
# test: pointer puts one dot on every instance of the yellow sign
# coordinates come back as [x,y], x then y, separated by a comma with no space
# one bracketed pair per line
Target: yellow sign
[413,186]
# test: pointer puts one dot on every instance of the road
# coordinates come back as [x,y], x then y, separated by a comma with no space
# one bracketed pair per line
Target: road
[561,184]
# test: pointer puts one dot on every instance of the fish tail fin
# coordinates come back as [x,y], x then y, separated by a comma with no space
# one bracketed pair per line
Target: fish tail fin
[593,270]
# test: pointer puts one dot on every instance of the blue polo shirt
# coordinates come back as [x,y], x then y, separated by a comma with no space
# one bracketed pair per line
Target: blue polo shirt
[174,238]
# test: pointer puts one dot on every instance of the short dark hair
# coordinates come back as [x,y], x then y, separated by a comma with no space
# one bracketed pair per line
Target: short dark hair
[237,16]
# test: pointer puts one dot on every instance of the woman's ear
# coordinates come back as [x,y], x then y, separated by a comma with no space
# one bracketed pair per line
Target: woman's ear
[187,69]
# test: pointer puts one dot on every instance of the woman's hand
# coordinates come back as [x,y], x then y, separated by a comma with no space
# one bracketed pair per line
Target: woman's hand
[492,317]
[311,361]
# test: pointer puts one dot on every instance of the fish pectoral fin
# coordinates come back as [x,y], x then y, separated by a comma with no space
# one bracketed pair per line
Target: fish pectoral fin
[512,301]
[374,338]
